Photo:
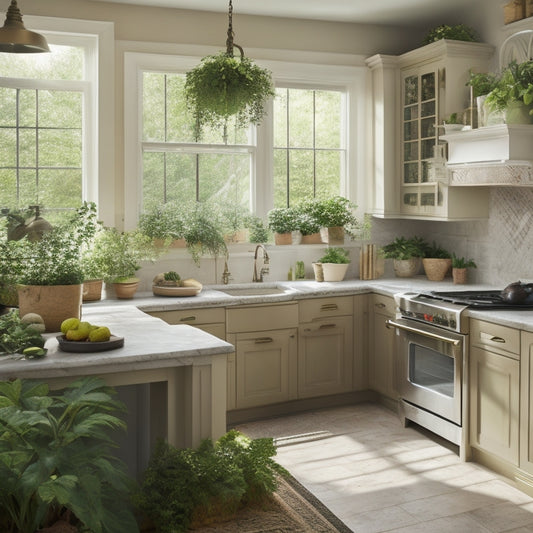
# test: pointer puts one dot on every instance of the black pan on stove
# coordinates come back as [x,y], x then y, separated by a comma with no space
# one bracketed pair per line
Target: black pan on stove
[489,299]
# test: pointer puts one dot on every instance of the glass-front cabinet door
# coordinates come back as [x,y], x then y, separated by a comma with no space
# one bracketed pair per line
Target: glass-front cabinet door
[421,153]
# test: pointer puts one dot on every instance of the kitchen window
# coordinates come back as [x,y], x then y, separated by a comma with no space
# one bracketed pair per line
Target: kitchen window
[259,167]
[49,109]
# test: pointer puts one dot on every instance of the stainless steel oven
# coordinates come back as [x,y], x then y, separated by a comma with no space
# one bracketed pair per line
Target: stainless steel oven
[431,365]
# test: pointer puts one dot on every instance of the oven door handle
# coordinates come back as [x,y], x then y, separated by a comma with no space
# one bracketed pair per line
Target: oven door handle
[431,335]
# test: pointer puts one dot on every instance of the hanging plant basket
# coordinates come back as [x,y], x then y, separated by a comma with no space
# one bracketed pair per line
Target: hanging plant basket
[225,86]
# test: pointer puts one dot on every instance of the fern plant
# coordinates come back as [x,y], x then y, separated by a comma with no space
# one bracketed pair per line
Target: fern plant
[55,455]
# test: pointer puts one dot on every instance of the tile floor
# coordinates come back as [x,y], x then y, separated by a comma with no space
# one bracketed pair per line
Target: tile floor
[376,475]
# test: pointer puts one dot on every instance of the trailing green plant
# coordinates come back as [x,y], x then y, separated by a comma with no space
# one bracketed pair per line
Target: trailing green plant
[204,232]
[452,119]
[459,32]
[482,83]
[434,251]
[164,222]
[514,85]
[461,262]
[258,231]
[223,86]
[402,248]
[335,255]
[56,455]
[283,220]
[185,486]
[117,255]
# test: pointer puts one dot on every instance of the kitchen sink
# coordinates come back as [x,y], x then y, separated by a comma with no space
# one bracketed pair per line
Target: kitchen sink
[253,291]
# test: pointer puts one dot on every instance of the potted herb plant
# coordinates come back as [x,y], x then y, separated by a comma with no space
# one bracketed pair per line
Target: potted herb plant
[165,224]
[452,124]
[332,266]
[283,221]
[308,226]
[336,217]
[406,254]
[482,84]
[458,32]
[258,231]
[51,274]
[460,267]
[513,93]
[437,262]
[56,464]
[118,256]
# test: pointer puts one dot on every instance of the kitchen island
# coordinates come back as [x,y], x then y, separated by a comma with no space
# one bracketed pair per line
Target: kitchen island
[181,371]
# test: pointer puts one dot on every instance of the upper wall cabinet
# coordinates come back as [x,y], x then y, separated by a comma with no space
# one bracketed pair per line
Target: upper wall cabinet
[412,95]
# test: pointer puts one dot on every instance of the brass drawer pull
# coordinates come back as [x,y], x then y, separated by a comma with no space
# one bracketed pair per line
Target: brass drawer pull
[501,340]
[264,340]
[381,305]
[329,307]
[328,326]
[188,319]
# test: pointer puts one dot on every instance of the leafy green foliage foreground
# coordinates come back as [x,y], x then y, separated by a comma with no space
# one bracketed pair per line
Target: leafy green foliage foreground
[186,486]
[55,455]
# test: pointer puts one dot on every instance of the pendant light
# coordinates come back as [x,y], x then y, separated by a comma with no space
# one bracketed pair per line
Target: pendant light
[16,39]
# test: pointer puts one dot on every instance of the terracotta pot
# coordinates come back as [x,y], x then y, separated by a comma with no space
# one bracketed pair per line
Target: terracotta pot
[333,235]
[407,268]
[459,275]
[54,303]
[436,268]
[334,271]
[126,289]
[283,238]
[314,238]
[92,290]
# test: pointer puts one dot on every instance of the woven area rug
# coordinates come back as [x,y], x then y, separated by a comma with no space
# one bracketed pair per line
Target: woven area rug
[292,509]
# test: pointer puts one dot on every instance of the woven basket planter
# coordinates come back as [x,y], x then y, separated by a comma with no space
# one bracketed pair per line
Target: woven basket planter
[459,275]
[314,238]
[282,238]
[435,268]
[92,290]
[407,268]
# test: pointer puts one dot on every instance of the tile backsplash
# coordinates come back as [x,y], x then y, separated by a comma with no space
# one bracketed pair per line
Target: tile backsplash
[501,246]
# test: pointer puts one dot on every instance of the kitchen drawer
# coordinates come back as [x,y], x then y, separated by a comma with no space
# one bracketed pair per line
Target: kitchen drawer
[192,317]
[315,308]
[385,304]
[495,337]
[261,318]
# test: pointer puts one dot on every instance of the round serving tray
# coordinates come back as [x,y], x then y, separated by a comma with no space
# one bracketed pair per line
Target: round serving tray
[87,346]
[161,290]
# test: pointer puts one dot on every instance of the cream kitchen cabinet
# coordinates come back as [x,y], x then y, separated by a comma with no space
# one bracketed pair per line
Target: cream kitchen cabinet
[494,389]
[413,94]
[325,346]
[526,402]
[382,352]
[265,340]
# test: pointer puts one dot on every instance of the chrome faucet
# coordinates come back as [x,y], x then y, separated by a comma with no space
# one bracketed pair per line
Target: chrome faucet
[264,268]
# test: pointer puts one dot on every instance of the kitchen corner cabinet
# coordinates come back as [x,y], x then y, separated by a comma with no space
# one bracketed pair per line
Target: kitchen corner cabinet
[494,389]
[209,319]
[382,353]
[325,346]
[265,340]
[430,85]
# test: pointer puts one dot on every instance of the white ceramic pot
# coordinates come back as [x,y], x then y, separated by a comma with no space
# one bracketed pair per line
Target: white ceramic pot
[334,271]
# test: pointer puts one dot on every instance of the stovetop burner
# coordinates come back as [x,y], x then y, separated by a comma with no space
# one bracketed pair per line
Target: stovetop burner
[490,299]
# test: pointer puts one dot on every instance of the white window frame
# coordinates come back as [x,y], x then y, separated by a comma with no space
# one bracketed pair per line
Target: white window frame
[348,78]
[98,38]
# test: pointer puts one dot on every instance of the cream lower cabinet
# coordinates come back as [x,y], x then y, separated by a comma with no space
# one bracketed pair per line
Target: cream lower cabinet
[494,389]
[265,340]
[382,352]
[526,402]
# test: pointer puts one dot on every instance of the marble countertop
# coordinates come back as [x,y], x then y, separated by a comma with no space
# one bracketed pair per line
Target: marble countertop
[149,343]
[284,291]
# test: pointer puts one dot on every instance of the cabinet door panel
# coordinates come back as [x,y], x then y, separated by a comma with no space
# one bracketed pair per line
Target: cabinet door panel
[325,357]
[494,403]
[526,403]
[263,366]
